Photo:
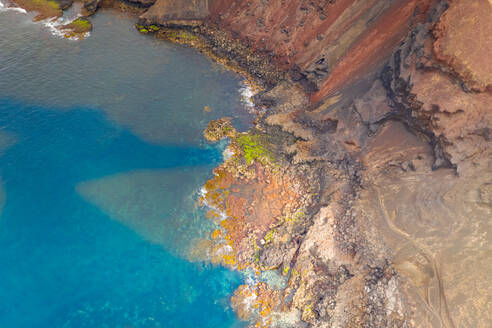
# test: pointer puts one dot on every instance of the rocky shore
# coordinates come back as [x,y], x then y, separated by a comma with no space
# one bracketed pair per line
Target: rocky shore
[362,196]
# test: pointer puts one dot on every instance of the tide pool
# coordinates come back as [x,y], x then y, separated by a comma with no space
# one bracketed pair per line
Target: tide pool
[101,161]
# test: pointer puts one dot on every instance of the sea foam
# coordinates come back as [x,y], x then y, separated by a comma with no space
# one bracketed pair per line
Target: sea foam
[247,94]
[54,26]
[4,8]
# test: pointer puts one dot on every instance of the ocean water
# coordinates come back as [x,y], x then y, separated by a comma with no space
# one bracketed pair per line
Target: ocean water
[101,161]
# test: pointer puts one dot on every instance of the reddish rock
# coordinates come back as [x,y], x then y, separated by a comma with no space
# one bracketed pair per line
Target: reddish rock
[328,43]
[374,45]
[464,41]
[324,44]
[461,119]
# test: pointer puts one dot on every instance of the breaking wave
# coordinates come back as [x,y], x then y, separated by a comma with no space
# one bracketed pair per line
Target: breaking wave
[54,26]
[247,93]
[4,8]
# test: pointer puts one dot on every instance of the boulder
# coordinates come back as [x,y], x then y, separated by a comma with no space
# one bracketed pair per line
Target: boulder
[176,13]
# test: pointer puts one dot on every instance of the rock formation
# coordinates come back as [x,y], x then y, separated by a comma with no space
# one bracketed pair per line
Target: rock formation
[177,12]
[373,203]
[362,196]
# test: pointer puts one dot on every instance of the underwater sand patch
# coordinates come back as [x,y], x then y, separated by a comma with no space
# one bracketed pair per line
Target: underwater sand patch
[159,205]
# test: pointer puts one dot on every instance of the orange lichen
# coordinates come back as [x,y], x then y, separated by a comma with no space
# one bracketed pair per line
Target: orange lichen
[257,300]
[246,207]
[216,234]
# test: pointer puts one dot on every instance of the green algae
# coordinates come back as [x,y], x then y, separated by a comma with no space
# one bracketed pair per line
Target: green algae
[147,29]
[175,35]
[254,147]
[153,28]
[182,35]
[48,3]
[296,217]
[81,25]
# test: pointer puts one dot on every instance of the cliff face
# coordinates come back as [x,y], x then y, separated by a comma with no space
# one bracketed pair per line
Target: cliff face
[327,43]
[324,44]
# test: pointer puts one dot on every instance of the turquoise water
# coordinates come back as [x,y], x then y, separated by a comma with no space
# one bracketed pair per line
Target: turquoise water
[101,161]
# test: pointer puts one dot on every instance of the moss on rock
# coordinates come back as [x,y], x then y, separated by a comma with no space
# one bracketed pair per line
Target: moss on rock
[147,29]
[219,129]
[255,147]
[80,25]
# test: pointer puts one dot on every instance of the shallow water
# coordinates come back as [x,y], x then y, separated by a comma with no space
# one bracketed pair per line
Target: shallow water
[101,161]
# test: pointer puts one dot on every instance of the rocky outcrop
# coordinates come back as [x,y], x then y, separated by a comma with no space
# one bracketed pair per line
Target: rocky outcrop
[435,91]
[91,6]
[176,12]
[77,29]
[324,44]
[463,37]
[64,4]
[45,9]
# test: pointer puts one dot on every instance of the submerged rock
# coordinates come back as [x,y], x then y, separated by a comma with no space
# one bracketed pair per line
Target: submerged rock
[218,129]
[79,26]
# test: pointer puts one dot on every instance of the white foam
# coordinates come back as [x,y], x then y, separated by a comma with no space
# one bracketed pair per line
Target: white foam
[273,279]
[228,153]
[55,24]
[222,215]
[246,96]
[250,300]
[4,8]
[250,277]
[224,250]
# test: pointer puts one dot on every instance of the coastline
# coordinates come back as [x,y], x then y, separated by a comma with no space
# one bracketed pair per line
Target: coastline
[310,192]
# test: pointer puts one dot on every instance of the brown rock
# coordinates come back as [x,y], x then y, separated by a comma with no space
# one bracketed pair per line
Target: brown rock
[460,118]
[176,12]
[464,41]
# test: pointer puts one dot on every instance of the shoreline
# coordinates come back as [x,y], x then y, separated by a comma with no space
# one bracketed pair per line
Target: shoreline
[324,195]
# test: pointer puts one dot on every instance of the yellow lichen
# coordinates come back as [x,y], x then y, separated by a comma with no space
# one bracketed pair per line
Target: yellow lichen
[216,234]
